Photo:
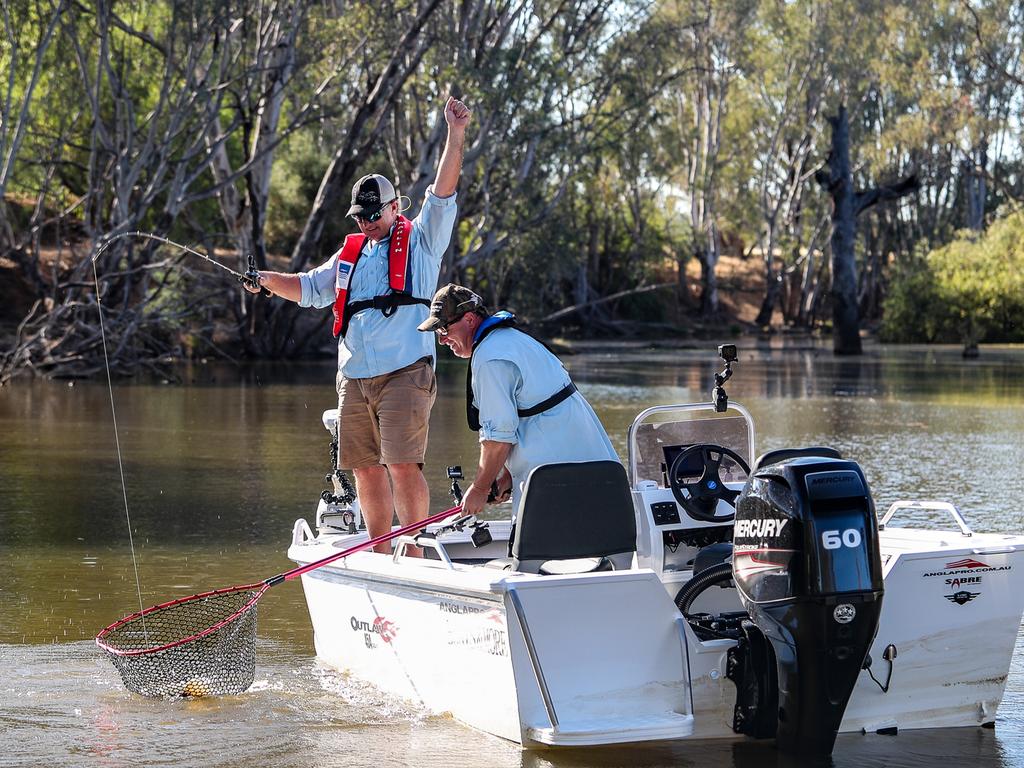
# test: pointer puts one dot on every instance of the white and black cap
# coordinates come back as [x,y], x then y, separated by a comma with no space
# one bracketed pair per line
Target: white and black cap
[370,194]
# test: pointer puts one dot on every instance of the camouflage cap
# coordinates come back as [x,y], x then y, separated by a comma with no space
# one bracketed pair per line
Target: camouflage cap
[449,304]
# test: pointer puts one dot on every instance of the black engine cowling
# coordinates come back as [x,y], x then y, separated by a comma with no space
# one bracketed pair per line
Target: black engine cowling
[808,570]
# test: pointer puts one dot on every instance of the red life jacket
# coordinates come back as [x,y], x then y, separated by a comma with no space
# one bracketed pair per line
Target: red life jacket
[398,277]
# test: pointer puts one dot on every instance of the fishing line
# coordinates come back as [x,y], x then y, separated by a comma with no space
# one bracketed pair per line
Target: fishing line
[117,441]
[251,277]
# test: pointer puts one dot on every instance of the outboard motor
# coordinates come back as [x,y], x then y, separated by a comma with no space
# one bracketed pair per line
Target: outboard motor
[808,570]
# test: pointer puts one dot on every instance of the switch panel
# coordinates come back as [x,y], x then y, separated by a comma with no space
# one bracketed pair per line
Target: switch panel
[665,513]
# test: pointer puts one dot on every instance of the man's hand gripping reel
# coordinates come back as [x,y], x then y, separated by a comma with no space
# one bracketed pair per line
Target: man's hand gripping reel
[480,535]
[252,278]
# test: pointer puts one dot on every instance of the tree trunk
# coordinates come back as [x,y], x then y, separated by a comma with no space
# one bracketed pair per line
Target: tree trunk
[364,131]
[709,279]
[845,315]
[772,293]
[975,188]
[847,205]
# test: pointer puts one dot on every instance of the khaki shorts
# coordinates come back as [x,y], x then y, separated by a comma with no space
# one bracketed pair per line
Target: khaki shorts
[384,419]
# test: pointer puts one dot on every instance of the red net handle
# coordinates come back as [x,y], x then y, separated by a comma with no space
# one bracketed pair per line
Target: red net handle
[369,543]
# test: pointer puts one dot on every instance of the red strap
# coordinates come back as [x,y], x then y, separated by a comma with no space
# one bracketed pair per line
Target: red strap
[347,258]
[398,267]
[398,254]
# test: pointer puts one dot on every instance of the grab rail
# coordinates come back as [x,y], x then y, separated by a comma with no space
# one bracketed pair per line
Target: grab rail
[940,506]
[421,541]
[531,649]
[681,626]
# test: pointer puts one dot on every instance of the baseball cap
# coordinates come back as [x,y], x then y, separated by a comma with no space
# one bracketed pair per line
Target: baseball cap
[370,194]
[449,304]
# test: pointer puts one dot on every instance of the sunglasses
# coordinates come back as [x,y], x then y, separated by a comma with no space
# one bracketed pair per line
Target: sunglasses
[442,330]
[372,217]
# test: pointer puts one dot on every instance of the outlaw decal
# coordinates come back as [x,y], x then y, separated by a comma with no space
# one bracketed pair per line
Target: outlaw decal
[383,628]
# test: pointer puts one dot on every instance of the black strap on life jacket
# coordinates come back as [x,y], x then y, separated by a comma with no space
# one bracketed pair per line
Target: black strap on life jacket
[387,304]
[473,413]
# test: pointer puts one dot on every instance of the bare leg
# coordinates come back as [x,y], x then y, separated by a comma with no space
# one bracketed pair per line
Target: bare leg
[375,502]
[412,496]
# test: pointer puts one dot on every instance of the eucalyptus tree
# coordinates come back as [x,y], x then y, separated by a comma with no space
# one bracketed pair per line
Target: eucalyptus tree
[783,92]
[148,123]
[710,35]
[321,68]
[29,34]
[989,74]
[545,81]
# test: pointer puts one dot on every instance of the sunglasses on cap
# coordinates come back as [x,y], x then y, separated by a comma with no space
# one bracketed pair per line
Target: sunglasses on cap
[372,217]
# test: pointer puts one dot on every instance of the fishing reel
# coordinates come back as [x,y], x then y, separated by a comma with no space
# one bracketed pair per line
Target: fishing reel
[252,278]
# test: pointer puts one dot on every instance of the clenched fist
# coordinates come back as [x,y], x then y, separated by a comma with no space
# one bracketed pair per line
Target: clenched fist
[456,113]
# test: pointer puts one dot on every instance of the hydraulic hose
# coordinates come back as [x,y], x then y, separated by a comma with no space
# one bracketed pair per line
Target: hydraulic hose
[692,589]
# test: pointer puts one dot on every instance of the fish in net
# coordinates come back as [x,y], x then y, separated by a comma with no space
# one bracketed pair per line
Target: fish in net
[203,645]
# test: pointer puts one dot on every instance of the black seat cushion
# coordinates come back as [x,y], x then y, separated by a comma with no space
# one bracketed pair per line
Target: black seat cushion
[575,510]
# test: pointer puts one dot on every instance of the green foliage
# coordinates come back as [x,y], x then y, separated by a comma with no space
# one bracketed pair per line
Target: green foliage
[610,137]
[299,165]
[969,291]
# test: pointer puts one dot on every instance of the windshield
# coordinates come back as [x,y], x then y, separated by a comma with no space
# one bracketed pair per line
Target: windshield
[658,443]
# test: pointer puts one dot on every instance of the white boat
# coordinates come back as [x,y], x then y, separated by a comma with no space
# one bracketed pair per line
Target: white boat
[808,615]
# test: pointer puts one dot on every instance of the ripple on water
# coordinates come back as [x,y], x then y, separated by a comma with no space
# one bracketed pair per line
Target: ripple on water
[67,700]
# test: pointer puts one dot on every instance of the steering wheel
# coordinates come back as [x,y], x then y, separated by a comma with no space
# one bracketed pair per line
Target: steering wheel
[700,499]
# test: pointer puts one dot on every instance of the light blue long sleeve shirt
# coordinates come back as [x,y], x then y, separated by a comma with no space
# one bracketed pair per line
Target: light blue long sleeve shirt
[374,344]
[512,372]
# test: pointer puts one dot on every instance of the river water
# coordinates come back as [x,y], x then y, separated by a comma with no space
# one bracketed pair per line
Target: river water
[218,466]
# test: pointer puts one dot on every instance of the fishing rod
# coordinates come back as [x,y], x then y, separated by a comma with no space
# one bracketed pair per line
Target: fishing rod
[250,277]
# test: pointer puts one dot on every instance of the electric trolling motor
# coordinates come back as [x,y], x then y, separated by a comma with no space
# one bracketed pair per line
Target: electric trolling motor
[807,568]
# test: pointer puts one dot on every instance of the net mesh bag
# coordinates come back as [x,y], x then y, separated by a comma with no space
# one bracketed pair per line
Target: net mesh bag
[204,645]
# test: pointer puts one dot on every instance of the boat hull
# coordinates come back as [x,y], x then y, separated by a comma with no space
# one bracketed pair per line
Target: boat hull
[426,646]
[620,664]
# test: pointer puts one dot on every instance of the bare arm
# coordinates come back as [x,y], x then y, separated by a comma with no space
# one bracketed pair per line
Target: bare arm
[449,168]
[279,283]
[493,456]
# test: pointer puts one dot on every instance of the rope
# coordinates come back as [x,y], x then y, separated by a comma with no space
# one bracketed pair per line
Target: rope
[117,443]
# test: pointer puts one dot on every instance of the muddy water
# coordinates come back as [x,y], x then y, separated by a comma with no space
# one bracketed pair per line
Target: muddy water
[218,467]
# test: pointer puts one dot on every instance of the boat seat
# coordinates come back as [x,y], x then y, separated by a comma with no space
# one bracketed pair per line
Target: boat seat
[564,567]
[785,454]
[574,517]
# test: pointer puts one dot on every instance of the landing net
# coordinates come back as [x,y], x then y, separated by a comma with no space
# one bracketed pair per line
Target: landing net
[203,645]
